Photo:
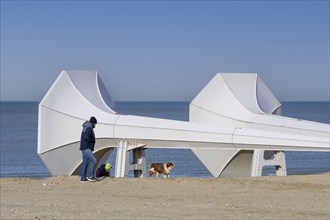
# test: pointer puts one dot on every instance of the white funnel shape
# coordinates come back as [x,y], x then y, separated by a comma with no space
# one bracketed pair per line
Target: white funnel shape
[243,100]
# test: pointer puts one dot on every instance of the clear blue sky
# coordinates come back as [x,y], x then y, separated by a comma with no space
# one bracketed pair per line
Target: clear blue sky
[164,50]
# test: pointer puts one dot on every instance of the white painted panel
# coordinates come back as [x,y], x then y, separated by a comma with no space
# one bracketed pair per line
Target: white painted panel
[215,160]
[243,87]
[135,132]
[86,81]
[268,103]
[65,98]
[218,98]
[257,137]
[57,129]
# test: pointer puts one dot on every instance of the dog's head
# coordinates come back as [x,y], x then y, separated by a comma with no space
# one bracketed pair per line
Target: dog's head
[169,165]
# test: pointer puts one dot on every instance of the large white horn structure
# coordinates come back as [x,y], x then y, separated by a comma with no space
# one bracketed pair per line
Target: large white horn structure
[244,100]
[227,120]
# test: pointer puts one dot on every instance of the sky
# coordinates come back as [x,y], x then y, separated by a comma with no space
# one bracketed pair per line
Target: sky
[165,50]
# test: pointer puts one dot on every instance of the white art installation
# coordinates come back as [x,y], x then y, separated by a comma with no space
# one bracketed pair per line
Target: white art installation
[234,128]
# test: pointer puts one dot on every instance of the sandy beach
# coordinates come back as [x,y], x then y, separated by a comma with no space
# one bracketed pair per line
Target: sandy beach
[291,197]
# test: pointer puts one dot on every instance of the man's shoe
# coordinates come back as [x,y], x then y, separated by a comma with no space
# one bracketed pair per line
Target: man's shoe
[91,179]
[83,180]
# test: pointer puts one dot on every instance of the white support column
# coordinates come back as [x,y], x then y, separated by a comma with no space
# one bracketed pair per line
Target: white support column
[257,161]
[138,165]
[262,158]
[121,158]
[125,147]
[281,168]
[140,160]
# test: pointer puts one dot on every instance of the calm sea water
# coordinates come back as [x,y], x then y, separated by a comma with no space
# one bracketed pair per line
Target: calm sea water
[19,129]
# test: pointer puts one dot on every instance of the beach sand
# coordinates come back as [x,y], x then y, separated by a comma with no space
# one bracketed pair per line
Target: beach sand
[291,197]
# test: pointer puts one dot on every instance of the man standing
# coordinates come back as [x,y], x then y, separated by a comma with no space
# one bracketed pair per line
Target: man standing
[87,143]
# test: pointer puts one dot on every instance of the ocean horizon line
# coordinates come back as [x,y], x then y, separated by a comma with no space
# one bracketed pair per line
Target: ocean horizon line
[141,101]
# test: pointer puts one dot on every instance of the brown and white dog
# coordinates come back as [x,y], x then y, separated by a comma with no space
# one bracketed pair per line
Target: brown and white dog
[161,168]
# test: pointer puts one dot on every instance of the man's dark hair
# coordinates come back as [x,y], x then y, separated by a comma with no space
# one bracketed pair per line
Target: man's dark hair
[93,120]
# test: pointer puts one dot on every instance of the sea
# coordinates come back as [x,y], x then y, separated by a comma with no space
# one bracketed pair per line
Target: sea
[19,131]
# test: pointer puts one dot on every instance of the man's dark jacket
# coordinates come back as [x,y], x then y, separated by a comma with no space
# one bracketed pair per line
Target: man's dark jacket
[87,140]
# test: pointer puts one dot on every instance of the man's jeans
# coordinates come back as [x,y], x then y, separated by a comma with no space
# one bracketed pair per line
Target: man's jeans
[87,156]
